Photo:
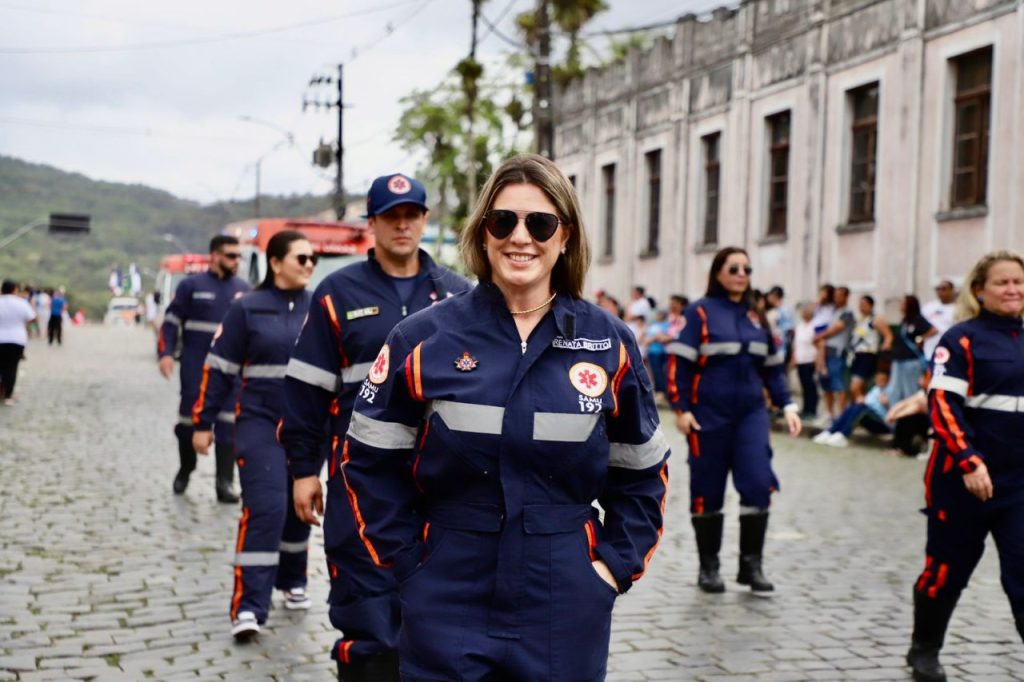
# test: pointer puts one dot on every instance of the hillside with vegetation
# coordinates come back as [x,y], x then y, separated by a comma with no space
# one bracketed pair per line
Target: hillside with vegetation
[128,224]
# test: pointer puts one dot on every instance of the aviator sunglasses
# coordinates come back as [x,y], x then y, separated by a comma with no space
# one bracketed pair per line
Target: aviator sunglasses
[501,222]
[306,258]
[735,269]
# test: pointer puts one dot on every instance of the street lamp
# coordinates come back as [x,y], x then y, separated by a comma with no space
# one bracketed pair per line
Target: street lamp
[170,238]
[57,223]
[289,139]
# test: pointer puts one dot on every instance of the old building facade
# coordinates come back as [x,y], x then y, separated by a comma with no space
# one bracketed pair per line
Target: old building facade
[873,143]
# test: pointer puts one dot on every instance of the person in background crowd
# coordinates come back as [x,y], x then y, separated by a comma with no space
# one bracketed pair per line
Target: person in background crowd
[676,319]
[908,360]
[152,305]
[718,371]
[974,482]
[782,321]
[43,299]
[506,569]
[15,314]
[910,424]
[869,411]
[254,341]
[656,335]
[837,339]
[612,305]
[638,310]
[825,310]
[805,359]
[940,314]
[32,296]
[353,311]
[871,337]
[195,312]
[55,326]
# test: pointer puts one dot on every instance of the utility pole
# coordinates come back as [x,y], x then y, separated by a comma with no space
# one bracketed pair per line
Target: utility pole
[256,197]
[544,132]
[339,183]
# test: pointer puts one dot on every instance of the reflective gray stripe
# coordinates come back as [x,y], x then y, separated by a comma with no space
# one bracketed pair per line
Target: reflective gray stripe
[562,427]
[643,456]
[757,348]
[1001,403]
[294,547]
[200,326]
[380,434]
[682,350]
[721,348]
[256,559]
[313,375]
[222,365]
[775,361]
[226,417]
[171,318]
[264,371]
[355,373]
[182,419]
[951,384]
[469,417]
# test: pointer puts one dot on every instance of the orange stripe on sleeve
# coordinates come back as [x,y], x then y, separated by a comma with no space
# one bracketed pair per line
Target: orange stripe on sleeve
[673,390]
[197,408]
[966,344]
[332,315]
[416,374]
[620,374]
[357,512]
[661,526]
[947,414]
[591,539]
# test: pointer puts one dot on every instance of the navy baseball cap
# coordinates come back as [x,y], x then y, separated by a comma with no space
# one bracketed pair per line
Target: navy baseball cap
[391,190]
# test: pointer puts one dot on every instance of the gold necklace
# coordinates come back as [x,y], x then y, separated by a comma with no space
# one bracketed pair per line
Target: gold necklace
[533,310]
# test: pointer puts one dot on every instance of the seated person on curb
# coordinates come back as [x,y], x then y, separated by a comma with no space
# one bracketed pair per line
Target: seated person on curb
[870,413]
[910,421]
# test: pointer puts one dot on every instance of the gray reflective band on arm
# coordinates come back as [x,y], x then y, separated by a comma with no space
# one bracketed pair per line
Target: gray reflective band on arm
[310,374]
[171,318]
[951,384]
[757,348]
[775,360]
[294,547]
[469,417]
[256,559]
[682,350]
[226,417]
[222,365]
[380,434]
[264,371]
[355,373]
[721,348]
[1000,403]
[185,421]
[200,326]
[562,427]
[643,456]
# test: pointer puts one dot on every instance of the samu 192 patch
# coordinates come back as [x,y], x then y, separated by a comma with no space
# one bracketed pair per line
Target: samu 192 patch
[379,370]
[361,312]
[589,379]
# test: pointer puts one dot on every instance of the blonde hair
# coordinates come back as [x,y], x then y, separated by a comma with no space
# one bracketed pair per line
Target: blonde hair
[570,269]
[967,305]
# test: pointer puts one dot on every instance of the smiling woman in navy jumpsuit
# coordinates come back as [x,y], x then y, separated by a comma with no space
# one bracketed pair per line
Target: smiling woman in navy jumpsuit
[974,482]
[719,368]
[486,429]
[255,341]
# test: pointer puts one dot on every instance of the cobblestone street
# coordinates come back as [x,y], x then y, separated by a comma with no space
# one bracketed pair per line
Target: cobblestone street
[105,575]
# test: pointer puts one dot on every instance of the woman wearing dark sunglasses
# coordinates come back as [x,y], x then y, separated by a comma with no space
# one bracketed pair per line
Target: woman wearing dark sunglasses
[255,341]
[719,368]
[519,405]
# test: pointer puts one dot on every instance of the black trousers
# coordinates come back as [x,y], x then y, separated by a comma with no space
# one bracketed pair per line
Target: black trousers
[910,433]
[55,330]
[10,356]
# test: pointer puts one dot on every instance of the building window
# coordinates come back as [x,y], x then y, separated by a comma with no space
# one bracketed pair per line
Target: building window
[971,127]
[711,144]
[608,210]
[778,180]
[653,160]
[864,142]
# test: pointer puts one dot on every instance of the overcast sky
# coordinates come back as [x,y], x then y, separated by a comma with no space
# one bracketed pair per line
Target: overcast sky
[154,93]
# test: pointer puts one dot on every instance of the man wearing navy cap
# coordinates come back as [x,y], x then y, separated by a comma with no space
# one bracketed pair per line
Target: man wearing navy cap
[352,313]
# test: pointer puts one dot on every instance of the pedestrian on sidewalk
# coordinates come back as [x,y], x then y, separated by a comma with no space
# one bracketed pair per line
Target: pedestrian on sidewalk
[15,315]
[837,337]
[199,304]
[352,313]
[55,326]
[974,483]
[805,359]
[254,342]
[719,369]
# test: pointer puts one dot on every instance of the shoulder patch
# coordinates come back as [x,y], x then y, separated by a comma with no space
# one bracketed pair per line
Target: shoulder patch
[379,370]
[589,379]
[941,356]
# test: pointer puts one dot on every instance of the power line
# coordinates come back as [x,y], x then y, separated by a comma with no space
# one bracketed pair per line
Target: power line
[187,42]
[492,27]
[389,29]
[113,130]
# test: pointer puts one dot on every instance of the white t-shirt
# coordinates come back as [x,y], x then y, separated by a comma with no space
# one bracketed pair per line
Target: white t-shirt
[804,350]
[939,315]
[14,313]
[641,308]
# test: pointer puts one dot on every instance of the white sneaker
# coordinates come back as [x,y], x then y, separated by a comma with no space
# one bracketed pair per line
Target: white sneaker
[837,440]
[245,626]
[822,438]
[823,422]
[296,599]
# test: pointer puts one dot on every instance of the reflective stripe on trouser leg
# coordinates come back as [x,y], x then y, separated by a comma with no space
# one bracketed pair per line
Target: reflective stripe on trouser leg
[294,548]
[264,479]
[752,473]
[710,469]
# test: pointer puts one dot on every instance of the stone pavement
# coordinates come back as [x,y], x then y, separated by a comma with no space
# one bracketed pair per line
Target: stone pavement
[105,575]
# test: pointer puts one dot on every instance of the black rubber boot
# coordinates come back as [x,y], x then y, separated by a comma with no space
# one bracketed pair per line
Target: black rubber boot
[708,529]
[753,528]
[187,463]
[225,455]
[382,668]
[931,616]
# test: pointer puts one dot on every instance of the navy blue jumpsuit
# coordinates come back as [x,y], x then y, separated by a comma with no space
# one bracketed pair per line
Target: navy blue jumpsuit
[255,342]
[199,304]
[976,402]
[718,369]
[352,313]
[492,533]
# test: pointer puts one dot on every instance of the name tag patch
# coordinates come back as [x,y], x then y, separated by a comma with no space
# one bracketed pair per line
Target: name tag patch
[362,312]
[594,345]
[204,295]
